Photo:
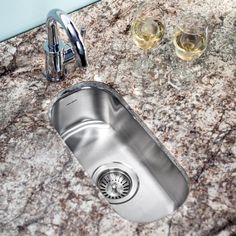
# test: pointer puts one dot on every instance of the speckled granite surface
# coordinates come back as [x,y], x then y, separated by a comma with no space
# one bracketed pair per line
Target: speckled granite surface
[44,190]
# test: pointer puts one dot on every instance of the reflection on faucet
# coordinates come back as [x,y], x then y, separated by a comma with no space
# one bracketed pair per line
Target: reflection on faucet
[58,53]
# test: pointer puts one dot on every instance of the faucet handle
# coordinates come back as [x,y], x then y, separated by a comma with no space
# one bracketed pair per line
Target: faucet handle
[83,32]
[68,53]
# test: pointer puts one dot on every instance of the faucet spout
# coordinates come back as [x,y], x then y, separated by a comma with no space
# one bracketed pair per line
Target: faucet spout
[57,52]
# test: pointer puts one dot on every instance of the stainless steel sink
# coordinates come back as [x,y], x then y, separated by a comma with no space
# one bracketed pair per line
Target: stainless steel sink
[132,169]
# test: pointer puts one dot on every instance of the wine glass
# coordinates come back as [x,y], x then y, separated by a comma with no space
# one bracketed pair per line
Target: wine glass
[190,40]
[147,28]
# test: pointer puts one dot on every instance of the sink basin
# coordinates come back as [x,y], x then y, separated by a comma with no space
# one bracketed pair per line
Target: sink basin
[131,168]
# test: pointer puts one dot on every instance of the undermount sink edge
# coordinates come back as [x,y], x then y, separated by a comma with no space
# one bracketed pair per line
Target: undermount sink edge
[129,165]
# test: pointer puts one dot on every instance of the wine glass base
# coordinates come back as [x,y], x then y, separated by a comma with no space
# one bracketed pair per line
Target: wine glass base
[180,78]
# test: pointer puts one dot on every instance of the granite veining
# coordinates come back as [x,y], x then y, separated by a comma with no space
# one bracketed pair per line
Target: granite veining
[43,188]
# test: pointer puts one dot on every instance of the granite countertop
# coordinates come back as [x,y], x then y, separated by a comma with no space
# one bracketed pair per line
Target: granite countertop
[43,188]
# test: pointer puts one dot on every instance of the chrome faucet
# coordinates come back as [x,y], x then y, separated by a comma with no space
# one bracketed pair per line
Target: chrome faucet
[57,53]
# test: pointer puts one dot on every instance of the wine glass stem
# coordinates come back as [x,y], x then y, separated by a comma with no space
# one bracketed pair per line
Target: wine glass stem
[145,69]
[145,57]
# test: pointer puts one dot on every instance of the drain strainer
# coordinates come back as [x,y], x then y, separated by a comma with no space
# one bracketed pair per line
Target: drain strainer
[114,184]
[116,181]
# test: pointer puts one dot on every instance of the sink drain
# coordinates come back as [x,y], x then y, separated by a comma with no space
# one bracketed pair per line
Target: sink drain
[116,181]
[114,184]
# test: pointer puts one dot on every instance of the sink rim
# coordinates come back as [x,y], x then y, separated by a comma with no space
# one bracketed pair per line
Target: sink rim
[110,91]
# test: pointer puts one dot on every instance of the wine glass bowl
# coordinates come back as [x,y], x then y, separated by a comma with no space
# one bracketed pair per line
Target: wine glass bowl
[147,26]
[191,37]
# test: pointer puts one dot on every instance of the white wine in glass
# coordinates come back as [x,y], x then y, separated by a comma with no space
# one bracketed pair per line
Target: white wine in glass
[190,40]
[147,32]
[189,46]
[191,36]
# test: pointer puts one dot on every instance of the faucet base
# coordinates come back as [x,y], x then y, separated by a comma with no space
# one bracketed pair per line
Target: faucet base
[54,62]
